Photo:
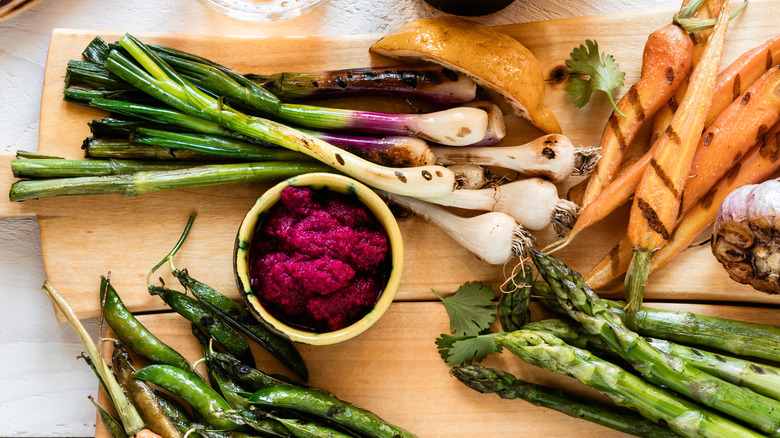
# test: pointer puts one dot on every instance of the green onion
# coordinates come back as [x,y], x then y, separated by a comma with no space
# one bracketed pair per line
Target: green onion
[159,80]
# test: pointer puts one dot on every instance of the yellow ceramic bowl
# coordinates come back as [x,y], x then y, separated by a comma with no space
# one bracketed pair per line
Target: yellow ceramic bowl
[336,183]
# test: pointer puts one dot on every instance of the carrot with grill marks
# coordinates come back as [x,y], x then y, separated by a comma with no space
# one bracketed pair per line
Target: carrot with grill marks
[732,82]
[666,62]
[664,114]
[741,74]
[576,193]
[657,198]
[624,185]
[761,162]
[723,143]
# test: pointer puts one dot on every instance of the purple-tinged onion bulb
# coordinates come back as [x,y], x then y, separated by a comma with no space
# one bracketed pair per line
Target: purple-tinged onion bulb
[746,237]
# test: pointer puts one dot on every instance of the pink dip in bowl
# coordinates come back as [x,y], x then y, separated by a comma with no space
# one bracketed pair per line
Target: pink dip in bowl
[318,259]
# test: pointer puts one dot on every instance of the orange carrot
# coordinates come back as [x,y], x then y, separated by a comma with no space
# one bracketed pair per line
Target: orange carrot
[576,193]
[757,165]
[657,198]
[624,185]
[664,114]
[743,123]
[742,73]
[732,82]
[666,62]
[732,134]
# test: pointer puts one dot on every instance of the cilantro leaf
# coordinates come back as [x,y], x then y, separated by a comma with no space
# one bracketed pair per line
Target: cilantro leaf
[471,308]
[465,350]
[604,73]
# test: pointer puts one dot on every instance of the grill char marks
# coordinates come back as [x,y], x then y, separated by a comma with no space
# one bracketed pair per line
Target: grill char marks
[653,221]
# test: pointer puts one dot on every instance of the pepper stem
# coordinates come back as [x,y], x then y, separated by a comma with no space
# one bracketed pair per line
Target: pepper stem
[169,256]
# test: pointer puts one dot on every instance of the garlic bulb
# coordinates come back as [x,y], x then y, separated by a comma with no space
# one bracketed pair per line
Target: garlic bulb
[746,237]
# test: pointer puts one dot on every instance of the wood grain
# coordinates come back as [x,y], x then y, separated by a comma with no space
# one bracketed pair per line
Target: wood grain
[394,370]
[85,237]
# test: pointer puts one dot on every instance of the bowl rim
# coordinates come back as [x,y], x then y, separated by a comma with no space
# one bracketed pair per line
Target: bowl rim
[340,184]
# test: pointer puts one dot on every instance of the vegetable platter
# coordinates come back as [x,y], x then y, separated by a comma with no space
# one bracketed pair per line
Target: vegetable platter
[393,369]
[83,237]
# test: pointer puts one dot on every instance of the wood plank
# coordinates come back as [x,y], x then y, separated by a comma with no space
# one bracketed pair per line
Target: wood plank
[87,236]
[394,370]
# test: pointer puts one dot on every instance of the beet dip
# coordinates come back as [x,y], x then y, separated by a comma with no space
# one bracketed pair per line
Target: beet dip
[319,259]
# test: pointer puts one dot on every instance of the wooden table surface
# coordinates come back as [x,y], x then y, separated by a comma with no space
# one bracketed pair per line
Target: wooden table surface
[45,389]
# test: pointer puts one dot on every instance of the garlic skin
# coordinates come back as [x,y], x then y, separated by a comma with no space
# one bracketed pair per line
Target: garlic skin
[746,235]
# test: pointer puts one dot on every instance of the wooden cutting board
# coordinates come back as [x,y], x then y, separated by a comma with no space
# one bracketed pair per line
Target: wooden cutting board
[394,370]
[84,237]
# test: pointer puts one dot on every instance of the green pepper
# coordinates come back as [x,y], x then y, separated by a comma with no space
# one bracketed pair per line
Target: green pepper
[239,318]
[193,390]
[130,331]
[329,407]
[206,321]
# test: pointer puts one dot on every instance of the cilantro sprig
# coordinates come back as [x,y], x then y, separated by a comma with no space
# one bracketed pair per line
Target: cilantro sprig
[604,74]
[471,310]
[465,350]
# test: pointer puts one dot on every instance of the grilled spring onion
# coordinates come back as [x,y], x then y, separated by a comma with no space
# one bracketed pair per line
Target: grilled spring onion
[139,183]
[532,202]
[123,149]
[454,126]
[432,83]
[493,237]
[62,168]
[162,82]
[551,157]
[496,130]
[395,151]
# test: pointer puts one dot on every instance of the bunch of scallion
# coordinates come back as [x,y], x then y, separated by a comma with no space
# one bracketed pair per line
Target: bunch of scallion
[669,373]
[178,120]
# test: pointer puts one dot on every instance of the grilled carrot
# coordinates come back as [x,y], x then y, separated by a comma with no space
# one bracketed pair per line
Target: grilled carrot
[576,193]
[664,114]
[758,164]
[741,74]
[657,198]
[740,125]
[624,185]
[724,141]
[666,62]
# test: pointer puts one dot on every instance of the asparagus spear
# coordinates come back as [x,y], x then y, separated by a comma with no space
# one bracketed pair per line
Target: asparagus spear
[514,306]
[737,337]
[487,380]
[584,306]
[145,182]
[545,350]
[761,378]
